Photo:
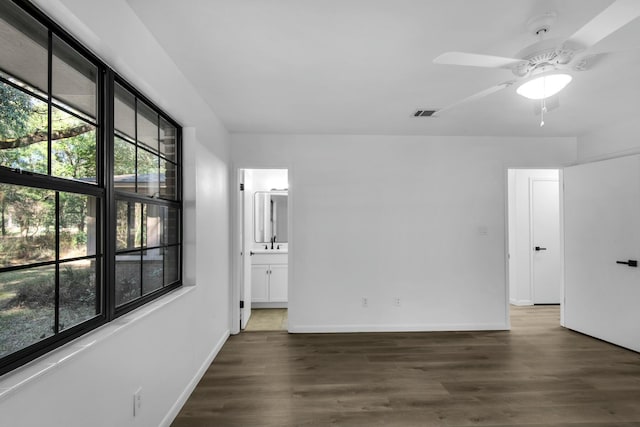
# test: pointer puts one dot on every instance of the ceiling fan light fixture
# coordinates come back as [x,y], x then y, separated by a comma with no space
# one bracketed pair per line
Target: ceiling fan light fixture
[544,86]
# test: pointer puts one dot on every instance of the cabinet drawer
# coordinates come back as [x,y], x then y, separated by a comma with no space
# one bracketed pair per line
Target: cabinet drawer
[269,259]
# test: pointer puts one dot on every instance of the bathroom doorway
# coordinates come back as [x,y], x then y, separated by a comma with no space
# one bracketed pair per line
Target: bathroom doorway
[262,239]
[534,243]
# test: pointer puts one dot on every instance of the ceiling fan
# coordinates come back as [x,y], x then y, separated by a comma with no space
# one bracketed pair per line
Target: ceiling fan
[544,65]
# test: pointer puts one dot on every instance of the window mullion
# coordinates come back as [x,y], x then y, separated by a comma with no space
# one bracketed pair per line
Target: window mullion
[49,102]
[159,158]
[109,207]
[135,121]
[56,327]
[142,246]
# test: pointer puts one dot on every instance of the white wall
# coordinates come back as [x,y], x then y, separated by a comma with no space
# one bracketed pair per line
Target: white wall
[618,139]
[164,346]
[383,217]
[520,286]
[269,179]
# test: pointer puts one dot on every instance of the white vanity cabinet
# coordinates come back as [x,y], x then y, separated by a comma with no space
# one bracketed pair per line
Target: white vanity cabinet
[259,283]
[269,278]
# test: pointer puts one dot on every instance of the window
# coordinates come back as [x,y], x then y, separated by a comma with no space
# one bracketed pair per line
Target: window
[147,211]
[90,210]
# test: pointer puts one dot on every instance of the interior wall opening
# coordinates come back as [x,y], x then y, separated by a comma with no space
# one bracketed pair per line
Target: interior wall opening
[262,270]
[534,242]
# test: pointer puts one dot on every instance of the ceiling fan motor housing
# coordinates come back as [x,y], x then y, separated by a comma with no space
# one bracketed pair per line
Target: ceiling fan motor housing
[543,55]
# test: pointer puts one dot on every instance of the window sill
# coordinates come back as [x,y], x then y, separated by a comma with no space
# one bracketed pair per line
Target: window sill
[12,381]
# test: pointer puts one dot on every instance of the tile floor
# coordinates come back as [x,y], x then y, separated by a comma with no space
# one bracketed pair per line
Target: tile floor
[268,319]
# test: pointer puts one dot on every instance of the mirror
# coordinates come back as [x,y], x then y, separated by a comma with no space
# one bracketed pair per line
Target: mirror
[270,213]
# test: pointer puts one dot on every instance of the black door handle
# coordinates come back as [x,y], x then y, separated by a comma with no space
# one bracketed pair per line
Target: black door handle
[538,249]
[630,263]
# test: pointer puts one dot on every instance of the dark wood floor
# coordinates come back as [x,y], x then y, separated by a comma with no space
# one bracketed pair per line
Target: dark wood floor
[538,374]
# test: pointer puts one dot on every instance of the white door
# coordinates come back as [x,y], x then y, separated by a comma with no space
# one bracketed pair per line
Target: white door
[546,272]
[247,240]
[602,228]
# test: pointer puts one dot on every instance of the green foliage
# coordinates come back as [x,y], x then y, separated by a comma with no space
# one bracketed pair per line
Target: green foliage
[22,327]
[66,241]
[17,250]
[15,111]
[20,116]
[73,157]
[80,239]
[127,289]
[147,163]
[32,214]
[20,250]
[27,309]
[124,157]
[127,281]
[77,288]
[23,117]
[31,158]
[73,211]
[40,293]
[32,209]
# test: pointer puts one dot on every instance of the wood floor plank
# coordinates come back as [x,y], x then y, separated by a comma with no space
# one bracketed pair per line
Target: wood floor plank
[537,374]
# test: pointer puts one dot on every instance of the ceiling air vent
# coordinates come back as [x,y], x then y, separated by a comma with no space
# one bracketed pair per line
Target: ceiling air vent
[424,113]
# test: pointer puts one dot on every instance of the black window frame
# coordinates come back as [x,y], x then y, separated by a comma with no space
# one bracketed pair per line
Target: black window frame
[103,189]
[119,195]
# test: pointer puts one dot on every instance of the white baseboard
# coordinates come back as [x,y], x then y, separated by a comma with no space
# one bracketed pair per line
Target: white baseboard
[521,302]
[269,304]
[301,329]
[184,396]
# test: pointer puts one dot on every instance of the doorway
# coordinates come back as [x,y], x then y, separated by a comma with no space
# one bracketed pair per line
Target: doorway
[534,242]
[261,262]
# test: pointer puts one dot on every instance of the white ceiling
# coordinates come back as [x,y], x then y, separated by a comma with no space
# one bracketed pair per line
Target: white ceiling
[365,66]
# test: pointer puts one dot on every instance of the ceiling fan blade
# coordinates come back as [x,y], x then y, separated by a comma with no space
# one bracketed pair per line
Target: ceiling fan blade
[586,61]
[475,96]
[476,60]
[610,20]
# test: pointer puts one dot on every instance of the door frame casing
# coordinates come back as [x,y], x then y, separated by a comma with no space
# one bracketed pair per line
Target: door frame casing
[507,237]
[237,260]
[237,253]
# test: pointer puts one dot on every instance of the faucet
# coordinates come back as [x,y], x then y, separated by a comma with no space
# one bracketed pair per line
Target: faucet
[273,239]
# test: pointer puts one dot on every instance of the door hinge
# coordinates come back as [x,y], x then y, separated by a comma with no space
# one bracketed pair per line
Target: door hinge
[241,304]
[241,186]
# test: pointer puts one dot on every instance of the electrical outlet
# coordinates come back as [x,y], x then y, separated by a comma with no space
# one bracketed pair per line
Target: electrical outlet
[396,301]
[365,302]
[137,401]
